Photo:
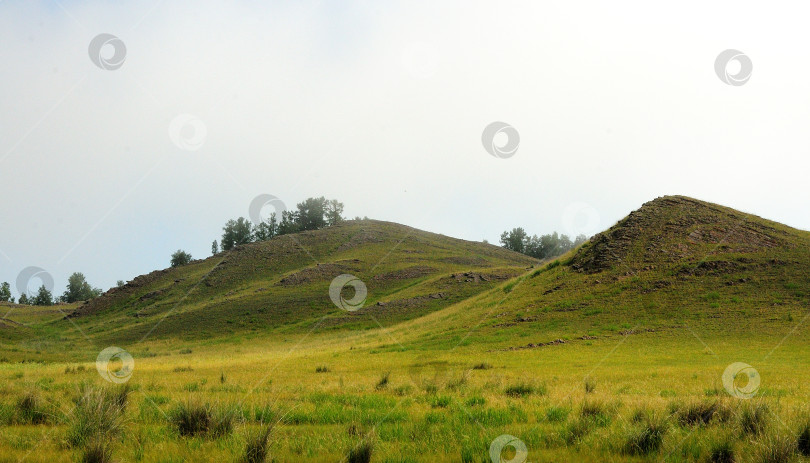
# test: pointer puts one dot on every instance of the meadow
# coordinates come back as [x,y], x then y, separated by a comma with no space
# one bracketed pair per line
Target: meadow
[654,341]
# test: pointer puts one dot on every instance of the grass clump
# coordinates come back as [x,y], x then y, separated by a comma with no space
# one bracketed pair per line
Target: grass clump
[98,416]
[383,382]
[482,366]
[30,409]
[257,448]
[524,389]
[722,453]
[754,418]
[590,386]
[597,411]
[97,452]
[701,413]
[803,441]
[776,449]
[360,453]
[197,419]
[556,414]
[648,439]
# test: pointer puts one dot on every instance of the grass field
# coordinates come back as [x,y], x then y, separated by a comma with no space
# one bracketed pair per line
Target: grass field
[616,352]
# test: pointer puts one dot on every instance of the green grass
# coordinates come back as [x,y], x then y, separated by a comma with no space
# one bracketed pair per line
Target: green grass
[620,364]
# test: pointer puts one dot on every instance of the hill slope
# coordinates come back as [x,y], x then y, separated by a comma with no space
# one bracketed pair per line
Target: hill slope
[283,284]
[673,265]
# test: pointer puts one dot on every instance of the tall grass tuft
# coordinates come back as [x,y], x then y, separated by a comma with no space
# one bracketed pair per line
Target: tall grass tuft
[698,413]
[754,418]
[723,453]
[30,409]
[803,441]
[590,386]
[648,439]
[776,449]
[360,453]
[99,415]
[519,390]
[257,448]
[197,419]
[97,452]
[383,382]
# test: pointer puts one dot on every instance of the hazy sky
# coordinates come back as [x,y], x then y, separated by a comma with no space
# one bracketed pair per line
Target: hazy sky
[382,105]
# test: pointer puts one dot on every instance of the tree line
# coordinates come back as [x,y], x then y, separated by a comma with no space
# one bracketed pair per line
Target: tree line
[311,214]
[539,247]
[78,289]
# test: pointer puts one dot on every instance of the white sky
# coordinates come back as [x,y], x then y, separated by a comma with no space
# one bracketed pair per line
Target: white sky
[382,106]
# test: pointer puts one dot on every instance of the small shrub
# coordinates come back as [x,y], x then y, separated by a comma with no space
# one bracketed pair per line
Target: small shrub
[383,382]
[258,446]
[322,369]
[722,453]
[360,453]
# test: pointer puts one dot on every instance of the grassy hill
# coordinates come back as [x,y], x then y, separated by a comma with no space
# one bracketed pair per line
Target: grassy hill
[282,286]
[674,263]
[614,352]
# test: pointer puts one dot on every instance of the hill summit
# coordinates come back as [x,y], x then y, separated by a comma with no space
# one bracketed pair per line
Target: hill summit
[673,229]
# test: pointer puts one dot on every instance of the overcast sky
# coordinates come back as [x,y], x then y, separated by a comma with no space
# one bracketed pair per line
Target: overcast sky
[383,105]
